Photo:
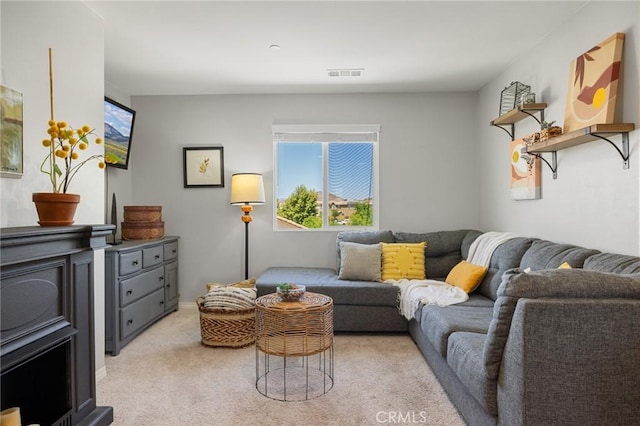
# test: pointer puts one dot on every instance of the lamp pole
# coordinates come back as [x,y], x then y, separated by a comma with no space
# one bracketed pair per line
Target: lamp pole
[246,218]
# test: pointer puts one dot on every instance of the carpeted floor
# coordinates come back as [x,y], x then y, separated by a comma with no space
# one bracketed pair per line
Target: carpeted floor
[167,377]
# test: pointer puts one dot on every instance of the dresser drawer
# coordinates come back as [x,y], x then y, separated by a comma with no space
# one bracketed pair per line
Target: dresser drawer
[152,256]
[141,313]
[134,288]
[171,250]
[130,262]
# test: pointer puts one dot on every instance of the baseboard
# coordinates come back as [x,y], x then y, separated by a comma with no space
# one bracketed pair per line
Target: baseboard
[187,305]
[101,374]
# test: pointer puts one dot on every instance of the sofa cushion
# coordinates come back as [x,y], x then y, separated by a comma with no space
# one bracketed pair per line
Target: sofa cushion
[464,356]
[507,256]
[403,261]
[325,281]
[549,255]
[438,322]
[444,249]
[466,275]
[611,262]
[552,283]
[360,262]
[362,237]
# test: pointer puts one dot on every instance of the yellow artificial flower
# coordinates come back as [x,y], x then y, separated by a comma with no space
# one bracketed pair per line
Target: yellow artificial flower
[46,142]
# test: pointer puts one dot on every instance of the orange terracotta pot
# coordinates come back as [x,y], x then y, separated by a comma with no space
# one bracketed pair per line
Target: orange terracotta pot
[55,209]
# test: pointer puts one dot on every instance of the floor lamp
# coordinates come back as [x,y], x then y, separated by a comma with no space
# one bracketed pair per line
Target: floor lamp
[247,189]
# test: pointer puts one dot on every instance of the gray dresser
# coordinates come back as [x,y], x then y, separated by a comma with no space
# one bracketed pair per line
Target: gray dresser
[141,287]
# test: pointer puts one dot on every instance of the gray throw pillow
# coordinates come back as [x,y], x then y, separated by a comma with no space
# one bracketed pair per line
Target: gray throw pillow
[360,262]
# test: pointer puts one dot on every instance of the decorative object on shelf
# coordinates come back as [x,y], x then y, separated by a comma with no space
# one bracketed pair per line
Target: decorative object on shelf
[593,85]
[11,142]
[203,166]
[527,99]
[511,95]
[247,189]
[142,223]
[548,130]
[290,292]
[61,164]
[525,171]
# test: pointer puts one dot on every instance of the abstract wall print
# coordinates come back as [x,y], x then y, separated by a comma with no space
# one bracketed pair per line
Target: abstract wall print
[11,129]
[203,166]
[593,85]
[525,173]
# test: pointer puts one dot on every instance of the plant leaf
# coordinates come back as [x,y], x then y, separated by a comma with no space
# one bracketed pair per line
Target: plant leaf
[57,170]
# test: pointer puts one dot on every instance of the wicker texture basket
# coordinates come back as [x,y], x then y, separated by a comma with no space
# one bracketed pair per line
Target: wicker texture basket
[227,327]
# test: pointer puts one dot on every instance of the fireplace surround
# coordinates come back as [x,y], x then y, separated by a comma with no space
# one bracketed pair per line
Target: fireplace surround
[47,342]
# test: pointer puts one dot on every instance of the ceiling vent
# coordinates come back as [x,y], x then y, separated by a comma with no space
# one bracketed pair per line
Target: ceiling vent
[346,72]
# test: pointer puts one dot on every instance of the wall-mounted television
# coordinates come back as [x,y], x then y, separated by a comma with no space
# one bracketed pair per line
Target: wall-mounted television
[118,129]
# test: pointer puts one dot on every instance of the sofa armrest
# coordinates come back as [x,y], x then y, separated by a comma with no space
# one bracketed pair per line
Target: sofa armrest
[571,361]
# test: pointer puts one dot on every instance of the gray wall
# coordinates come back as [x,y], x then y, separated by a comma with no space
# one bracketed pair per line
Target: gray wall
[428,172]
[593,202]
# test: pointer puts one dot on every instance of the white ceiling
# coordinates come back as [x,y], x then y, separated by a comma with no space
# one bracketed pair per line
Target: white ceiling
[215,47]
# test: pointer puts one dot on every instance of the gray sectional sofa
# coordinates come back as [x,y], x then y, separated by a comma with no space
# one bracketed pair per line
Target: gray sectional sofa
[542,347]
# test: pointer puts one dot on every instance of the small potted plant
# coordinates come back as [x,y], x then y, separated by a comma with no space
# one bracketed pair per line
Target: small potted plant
[290,292]
[64,146]
[548,130]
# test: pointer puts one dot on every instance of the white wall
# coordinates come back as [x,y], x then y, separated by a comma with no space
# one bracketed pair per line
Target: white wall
[28,30]
[428,171]
[593,202]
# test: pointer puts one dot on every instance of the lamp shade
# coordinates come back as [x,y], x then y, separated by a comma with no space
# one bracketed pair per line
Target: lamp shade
[247,188]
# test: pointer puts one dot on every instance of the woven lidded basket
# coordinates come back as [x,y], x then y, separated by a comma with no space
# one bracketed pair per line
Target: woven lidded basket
[142,230]
[142,213]
[231,328]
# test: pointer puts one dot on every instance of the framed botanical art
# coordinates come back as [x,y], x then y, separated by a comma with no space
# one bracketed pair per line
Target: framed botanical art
[593,85]
[203,166]
[11,139]
[525,173]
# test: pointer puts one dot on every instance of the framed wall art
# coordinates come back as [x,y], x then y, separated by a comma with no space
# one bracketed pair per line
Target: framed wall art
[203,166]
[593,85]
[525,173]
[11,154]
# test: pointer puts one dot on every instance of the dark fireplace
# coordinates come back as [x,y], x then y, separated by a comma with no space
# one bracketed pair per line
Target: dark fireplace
[47,364]
[40,386]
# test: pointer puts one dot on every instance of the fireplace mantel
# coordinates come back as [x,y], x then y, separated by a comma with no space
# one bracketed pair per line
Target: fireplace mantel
[47,348]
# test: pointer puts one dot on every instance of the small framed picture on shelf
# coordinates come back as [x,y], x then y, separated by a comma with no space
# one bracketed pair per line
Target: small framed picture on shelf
[203,166]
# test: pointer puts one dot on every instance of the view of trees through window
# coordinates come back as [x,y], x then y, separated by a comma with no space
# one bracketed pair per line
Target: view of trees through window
[324,185]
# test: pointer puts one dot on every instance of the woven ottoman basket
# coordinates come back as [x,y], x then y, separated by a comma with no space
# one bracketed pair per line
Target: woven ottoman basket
[231,328]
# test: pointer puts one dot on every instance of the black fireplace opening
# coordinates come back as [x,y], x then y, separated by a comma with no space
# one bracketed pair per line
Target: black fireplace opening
[40,386]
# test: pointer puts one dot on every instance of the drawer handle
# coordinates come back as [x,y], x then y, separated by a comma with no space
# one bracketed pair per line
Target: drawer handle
[174,251]
[162,302]
[134,263]
[130,322]
[157,256]
[161,278]
[168,285]
[129,292]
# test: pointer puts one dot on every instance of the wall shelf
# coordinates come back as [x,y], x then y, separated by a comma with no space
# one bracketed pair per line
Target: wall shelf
[581,136]
[507,121]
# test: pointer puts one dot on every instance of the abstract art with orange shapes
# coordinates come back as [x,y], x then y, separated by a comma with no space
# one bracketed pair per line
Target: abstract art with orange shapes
[525,173]
[593,85]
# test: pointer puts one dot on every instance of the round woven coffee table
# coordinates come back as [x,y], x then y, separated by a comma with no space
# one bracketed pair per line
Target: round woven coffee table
[294,346]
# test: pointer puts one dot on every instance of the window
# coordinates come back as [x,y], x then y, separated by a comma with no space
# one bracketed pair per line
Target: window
[326,177]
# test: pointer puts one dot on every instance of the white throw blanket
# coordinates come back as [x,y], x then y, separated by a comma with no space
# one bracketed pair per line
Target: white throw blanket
[433,292]
[482,248]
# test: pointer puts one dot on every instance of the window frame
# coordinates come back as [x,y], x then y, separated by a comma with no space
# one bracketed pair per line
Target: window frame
[326,134]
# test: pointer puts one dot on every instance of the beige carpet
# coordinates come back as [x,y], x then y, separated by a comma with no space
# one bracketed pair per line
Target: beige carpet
[166,377]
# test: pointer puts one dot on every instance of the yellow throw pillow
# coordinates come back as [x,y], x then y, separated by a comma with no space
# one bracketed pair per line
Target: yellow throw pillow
[565,265]
[403,261]
[466,275]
